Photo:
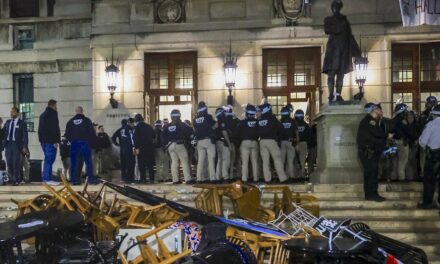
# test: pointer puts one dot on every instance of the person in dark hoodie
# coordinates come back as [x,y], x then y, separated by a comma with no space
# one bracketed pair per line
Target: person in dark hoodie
[81,134]
[143,145]
[117,141]
[49,136]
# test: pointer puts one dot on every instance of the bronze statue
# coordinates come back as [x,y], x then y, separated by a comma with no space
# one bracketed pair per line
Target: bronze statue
[341,48]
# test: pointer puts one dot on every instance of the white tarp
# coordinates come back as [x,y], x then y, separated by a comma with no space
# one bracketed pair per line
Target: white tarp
[420,12]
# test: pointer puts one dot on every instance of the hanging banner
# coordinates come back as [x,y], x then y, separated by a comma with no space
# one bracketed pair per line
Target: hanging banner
[420,12]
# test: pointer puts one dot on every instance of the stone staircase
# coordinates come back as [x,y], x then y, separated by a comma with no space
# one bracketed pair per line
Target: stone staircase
[397,218]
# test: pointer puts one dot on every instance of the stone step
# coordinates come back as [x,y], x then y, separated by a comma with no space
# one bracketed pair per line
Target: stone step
[350,212]
[410,235]
[362,204]
[396,223]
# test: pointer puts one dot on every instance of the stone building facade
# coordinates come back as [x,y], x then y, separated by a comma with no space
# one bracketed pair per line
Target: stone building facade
[170,55]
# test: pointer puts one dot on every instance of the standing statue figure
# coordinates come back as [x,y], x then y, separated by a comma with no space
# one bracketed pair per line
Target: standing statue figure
[341,48]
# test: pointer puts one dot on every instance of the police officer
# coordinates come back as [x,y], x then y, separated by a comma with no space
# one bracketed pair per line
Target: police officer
[231,124]
[303,140]
[288,136]
[425,117]
[430,141]
[371,141]
[204,126]
[81,135]
[143,148]
[268,131]
[401,139]
[127,147]
[247,131]
[223,145]
[116,140]
[175,135]
[161,156]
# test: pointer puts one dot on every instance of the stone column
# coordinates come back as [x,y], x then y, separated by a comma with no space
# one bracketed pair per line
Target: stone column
[337,127]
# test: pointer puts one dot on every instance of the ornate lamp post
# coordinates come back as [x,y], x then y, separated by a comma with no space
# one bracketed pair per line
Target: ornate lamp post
[230,67]
[111,72]
[360,68]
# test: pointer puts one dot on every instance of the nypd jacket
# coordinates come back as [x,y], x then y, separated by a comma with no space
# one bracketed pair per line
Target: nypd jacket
[371,135]
[176,132]
[49,127]
[303,131]
[269,127]
[143,136]
[289,129]
[203,126]
[248,129]
[80,128]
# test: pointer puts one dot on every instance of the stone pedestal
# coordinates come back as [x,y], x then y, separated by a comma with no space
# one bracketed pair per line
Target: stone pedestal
[337,127]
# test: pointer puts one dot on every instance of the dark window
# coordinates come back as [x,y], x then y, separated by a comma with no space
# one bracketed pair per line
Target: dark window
[24,98]
[171,82]
[415,73]
[292,76]
[50,6]
[24,37]
[24,8]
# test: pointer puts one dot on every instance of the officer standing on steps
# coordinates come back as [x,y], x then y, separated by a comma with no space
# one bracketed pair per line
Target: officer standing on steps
[371,141]
[303,140]
[161,156]
[430,141]
[116,140]
[402,135]
[127,146]
[223,145]
[175,136]
[268,130]
[247,131]
[289,136]
[425,117]
[204,126]
[143,148]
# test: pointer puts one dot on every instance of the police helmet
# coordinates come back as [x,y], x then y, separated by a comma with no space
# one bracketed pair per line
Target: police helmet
[124,122]
[219,111]
[158,123]
[400,108]
[202,107]
[337,4]
[130,120]
[266,108]
[285,111]
[299,114]
[370,107]
[290,107]
[175,114]
[250,110]
[432,100]
[436,110]
[138,118]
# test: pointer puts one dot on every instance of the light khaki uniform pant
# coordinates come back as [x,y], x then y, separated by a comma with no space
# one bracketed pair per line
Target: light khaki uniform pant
[178,153]
[223,161]
[233,158]
[205,150]
[162,164]
[302,152]
[249,150]
[401,159]
[268,148]
[288,157]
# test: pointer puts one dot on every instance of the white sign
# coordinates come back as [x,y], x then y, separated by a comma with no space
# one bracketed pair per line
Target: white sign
[420,12]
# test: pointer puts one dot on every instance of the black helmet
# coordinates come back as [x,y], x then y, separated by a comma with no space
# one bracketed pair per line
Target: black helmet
[299,114]
[285,111]
[337,4]
[138,118]
[124,122]
[219,112]
[432,100]
[370,107]
[175,114]
[400,108]
[265,108]
[250,110]
[158,123]
[436,110]
[290,107]
[130,120]
[202,107]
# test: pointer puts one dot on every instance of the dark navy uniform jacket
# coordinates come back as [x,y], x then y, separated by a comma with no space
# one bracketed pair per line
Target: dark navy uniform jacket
[289,129]
[401,128]
[371,135]
[178,132]
[158,138]
[203,126]
[143,136]
[269,127]
[247,129]
[303,130]
[80,128]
